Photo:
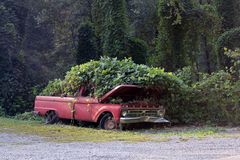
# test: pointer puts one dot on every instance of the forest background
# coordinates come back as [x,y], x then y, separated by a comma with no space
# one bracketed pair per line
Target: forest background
[197,40]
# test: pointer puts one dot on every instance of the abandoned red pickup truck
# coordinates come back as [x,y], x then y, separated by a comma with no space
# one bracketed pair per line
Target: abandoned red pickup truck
[129,107]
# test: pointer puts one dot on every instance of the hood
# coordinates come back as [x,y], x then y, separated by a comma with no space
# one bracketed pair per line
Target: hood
[122,91]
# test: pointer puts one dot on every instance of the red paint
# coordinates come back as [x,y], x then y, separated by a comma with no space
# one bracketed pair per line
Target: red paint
[87,108]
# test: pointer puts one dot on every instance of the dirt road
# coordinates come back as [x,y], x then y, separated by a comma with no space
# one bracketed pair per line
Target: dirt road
[24,147]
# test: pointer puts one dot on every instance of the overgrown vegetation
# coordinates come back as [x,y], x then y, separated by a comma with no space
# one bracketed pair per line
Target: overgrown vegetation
[28,116]
[187,31]
[103,75]
[213,98]
[115,26]
[229,39]
[197,40]
[203,98]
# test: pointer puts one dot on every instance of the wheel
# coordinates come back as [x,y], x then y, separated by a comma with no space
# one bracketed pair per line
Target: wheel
[107,122]
[51,118]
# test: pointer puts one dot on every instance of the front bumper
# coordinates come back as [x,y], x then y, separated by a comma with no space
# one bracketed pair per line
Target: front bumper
[128,120]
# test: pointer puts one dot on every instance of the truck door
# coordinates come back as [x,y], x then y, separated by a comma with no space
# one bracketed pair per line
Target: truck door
[83,109]
[84,104]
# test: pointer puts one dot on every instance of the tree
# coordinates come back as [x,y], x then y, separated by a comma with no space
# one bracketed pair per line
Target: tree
[143,19]
[231,40]
[114,36]
[226,11]
[209,26]
[138,50]
[98,16]
[15,83]
[87,46]
[229,12]
[187,34]
[171,53]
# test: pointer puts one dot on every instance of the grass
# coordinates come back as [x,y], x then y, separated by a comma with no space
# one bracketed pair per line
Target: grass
[192,132]
[185,133]
[68,133]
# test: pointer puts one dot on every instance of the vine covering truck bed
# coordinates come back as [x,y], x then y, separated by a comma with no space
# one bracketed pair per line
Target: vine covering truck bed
[124,104]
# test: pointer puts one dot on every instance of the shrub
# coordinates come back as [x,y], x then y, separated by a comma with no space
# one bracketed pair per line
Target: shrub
[212,96]
[28,116]
[187,75]
[213,99]
[103,75]
[53,88]
[234,55]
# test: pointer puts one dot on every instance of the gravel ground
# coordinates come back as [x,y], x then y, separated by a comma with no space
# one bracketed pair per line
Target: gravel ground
[23,147]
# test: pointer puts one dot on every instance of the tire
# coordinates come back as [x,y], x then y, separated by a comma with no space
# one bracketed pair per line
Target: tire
[51,118]
[107,122]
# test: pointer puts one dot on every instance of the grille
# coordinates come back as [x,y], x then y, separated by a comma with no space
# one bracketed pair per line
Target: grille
[139,113]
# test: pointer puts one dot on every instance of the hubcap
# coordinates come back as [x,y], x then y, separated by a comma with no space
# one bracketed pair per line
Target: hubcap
[109,124]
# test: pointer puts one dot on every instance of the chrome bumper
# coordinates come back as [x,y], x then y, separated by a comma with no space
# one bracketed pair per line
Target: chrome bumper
[127,120]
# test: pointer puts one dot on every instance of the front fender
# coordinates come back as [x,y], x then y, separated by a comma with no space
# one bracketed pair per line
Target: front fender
[113,109]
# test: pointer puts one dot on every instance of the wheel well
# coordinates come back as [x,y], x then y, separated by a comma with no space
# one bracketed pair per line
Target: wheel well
[101,115]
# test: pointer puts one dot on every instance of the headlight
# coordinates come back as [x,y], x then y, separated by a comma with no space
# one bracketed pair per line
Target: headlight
[124,113]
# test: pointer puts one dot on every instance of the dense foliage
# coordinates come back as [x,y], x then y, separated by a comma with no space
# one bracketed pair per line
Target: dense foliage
[15,83]
[187,33]
[115,28]
[213,99]
[209,98]
[227,10]
[229,39]
[28,116]
[101,76]
[87,44]
[172,32]
[198,40]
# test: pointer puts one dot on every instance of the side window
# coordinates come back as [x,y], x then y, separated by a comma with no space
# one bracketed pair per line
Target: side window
[86,92]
